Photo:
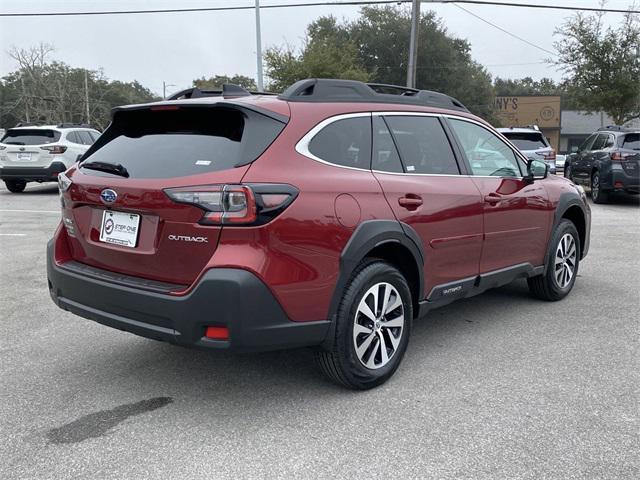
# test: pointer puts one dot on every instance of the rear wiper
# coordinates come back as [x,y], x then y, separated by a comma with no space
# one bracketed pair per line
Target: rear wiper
[106,167]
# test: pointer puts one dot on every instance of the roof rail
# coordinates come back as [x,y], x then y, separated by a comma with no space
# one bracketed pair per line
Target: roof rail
[27,124]
[615,128]
[73,125]
[228,90]
[333,90]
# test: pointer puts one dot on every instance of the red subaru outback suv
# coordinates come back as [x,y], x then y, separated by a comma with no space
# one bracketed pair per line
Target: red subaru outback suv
[332,215]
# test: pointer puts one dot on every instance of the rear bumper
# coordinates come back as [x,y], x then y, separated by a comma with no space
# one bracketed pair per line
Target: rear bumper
[228,297]
[618,180]
[32,174]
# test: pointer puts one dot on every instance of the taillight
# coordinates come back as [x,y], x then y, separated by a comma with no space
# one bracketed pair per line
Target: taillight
[242,205]
[55,149]
[620,157]
[550,155]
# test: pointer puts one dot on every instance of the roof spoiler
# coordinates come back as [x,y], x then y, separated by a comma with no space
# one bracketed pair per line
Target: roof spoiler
[228,90]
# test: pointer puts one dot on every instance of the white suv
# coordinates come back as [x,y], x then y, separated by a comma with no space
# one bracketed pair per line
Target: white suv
[40,153]
[532,143]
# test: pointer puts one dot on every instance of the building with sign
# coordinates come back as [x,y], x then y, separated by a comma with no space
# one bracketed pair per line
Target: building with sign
[523,110]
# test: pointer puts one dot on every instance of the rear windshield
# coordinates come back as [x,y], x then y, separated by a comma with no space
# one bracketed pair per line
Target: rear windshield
[631,141]
[30,137]
[526,140]
[184,141]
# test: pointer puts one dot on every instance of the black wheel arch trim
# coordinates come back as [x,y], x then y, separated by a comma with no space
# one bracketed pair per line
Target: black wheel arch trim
[367,236]
[566,201]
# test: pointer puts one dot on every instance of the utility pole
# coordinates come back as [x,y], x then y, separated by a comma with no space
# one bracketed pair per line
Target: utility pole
[164,89]
[259,47]
[413,44]
[86,96]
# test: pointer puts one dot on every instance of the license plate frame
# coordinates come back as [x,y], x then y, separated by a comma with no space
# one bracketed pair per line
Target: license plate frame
[120,228]
[23,157]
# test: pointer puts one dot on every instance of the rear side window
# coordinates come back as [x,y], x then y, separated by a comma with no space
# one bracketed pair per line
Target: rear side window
[73,138]
[85,138]
[631,141]
[423,145]
[600,142]
[385,154]
[25,136]
[345,142]
[184,141]
[526,140]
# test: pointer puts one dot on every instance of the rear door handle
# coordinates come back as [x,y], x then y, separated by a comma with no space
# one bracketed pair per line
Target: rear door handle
[492,198]
[410,202]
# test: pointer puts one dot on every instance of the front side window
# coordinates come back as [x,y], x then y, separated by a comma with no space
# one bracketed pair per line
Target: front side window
[600,142]
[423,145]
[85,138]
[345,142]
[586,145]
[487,154]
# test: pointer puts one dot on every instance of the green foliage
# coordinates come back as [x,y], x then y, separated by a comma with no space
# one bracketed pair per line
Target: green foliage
[602,64]
[375,48]
[328,53]
[216,82]
[51,92]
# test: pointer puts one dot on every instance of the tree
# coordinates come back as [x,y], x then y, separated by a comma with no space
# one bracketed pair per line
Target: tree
[216,82]
[328,53]
[375,47]
[602,64]
[48,91]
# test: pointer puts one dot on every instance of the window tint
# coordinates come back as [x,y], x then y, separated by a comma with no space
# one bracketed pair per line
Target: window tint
[73,138]
[486,153]
[631,141]
[423,145]
[94,135]
[526,140]
[344,142]
[385,155]
[186,141]
[26,136]
[600,142]
[85,137]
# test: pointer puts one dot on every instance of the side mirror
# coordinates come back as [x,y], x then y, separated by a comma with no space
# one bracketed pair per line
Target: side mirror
[536,170]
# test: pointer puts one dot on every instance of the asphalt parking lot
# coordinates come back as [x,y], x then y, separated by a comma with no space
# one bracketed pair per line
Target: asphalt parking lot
[497,386]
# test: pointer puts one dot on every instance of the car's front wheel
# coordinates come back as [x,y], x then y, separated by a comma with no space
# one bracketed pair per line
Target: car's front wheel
[372,328]
[561,267]
[567,172]
[15,186]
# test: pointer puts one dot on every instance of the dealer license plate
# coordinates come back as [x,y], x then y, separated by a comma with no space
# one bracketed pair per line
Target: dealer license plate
[120,228]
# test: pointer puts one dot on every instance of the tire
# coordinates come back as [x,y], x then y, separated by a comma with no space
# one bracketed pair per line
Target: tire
[567,172]
[367,367]
[597,195]
[15,186]
[559,278]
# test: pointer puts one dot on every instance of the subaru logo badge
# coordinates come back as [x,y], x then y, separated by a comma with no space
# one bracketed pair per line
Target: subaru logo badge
[108,196]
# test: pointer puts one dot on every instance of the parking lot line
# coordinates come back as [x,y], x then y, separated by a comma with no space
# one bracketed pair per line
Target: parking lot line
[13,234]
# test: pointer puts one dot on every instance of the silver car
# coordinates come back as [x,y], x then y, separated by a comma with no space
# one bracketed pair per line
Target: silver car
[533,144]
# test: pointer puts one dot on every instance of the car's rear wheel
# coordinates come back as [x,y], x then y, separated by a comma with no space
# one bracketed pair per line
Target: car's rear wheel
[372,328]
[597,195]
[561,269]
[15,186]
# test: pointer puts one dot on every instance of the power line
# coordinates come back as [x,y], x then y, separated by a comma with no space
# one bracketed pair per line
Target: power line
[312,4]
[505,31]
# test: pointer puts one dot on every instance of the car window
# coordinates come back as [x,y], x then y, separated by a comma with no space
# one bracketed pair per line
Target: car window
[609,142]
[85,138]
[73,138]
[423,145]
[487,154]
[345,142]
[526,140]
[24,136]
[600,142]
[631,141]
[385,154]
[586,145]
[94,135]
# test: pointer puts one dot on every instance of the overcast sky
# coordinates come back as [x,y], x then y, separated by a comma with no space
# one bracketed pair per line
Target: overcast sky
[178,47]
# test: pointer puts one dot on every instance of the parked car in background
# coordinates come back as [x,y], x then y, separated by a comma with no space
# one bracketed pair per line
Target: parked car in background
[560,161]
[38,153]
[332,216]
[608,161]
[532,143]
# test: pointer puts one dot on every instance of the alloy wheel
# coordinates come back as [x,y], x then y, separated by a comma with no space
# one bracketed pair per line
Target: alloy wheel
[378,325]
[565,263]
[595,186]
